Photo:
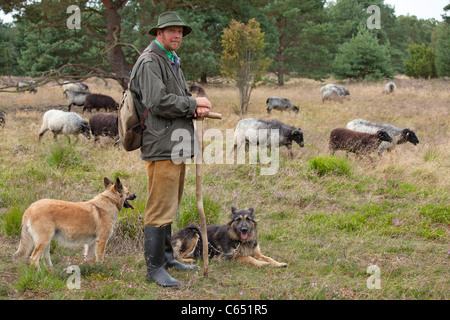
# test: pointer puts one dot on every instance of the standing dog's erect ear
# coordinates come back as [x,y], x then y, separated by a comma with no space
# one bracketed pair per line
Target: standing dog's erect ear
[251,210]
[233,209]
[107,182]
[118,185]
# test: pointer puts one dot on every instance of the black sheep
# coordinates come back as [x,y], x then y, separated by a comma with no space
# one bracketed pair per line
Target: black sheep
[104,124]
[357,142]
[98,101]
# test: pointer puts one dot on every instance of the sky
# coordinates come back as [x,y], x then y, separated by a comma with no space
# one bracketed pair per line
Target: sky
[423,9]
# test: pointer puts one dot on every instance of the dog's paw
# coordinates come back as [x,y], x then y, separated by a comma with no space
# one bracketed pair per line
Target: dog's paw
[282,265]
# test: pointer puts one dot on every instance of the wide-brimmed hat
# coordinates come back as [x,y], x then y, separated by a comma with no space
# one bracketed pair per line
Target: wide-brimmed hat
[169,19]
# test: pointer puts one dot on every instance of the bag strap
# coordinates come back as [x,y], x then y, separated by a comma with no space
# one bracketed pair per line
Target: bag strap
[145,113]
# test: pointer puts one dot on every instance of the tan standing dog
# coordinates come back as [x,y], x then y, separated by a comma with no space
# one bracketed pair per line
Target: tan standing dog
[87,223]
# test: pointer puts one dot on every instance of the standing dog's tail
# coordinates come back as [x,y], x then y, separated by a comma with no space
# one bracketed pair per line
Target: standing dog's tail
[26,241]
[187,243]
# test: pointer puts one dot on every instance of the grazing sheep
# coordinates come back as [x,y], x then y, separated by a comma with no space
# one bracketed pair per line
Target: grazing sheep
[390,88]
[276,103]
[74,86]
[197,89]
[356,142]
[77,98]
[28,86]
[398,135]
[104,124]
[2,119]
[98,101]
[287,133]
[334,92]
[64,122]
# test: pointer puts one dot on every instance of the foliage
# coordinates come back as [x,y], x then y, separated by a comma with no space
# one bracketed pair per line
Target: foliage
[443,50]
[303,37]
[363,58]
[330,165]
[63,156]
[420,63]
[304,41]
[12,220]
[243,58]
[188,213]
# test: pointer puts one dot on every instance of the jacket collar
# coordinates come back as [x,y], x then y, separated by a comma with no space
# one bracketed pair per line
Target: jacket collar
[154,47]
[157,49]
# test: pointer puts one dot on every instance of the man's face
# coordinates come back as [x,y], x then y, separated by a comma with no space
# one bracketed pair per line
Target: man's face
[170,37]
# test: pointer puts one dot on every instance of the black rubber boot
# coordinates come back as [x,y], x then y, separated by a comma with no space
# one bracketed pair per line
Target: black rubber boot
[154,257]
[170,260]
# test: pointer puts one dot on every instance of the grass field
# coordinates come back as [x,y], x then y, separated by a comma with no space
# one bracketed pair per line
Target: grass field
[329,218]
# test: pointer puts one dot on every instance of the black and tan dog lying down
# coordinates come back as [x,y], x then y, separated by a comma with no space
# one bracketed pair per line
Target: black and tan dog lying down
[233,240]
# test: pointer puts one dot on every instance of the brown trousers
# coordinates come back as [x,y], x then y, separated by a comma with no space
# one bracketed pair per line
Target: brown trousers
[165,191]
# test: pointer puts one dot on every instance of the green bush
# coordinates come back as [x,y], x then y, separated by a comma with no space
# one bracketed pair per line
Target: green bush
[443,50]
[12,220]
[439,213]
[63,156]
[421,62]
[330,165]
[362,57]
[188,213]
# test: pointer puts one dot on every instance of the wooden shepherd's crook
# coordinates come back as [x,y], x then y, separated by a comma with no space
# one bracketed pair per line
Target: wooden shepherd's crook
[198,184]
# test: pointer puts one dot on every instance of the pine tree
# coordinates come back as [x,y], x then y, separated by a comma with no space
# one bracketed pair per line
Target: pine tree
[363,58]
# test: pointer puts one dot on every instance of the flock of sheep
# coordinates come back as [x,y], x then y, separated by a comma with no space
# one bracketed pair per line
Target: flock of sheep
[68,123]
[360,136]
[364,137]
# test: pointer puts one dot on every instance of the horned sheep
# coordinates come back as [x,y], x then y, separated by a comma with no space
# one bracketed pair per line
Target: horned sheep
[356,142]
[398,135]
[67,123]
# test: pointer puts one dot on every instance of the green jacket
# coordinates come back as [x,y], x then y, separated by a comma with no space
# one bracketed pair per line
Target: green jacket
[169,132]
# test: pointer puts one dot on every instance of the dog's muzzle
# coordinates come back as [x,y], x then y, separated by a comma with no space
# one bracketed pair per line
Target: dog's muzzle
[244,233]
[126,204]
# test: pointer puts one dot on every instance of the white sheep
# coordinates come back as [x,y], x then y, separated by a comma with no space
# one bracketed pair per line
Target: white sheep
[398,135]
[64,122]
[390,88]
[77,98]
[75,86]
[334,92]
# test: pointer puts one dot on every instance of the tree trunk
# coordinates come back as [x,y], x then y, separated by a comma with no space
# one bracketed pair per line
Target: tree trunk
[280,68]
[114,51]
[203,79]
